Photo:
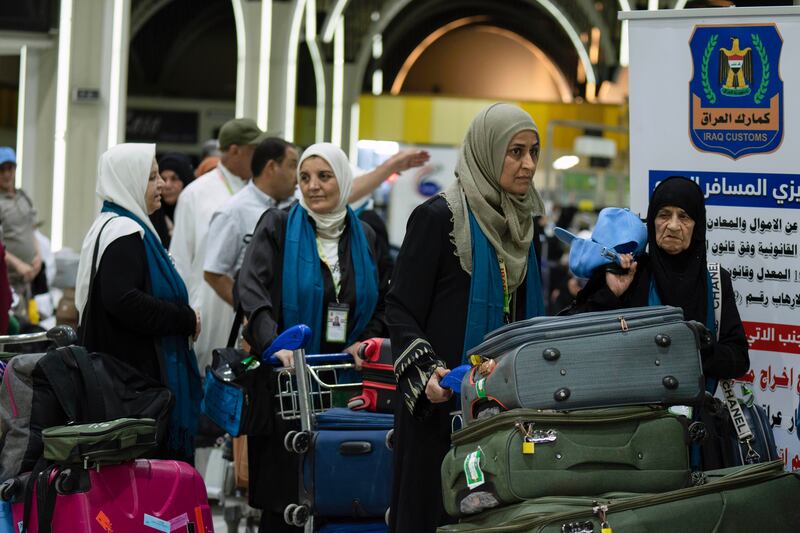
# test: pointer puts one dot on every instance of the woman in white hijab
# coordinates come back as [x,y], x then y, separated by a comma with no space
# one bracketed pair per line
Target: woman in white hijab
[133,305]
[316,265]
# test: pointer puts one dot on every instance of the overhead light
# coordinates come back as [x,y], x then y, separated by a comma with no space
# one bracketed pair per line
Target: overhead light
[388,148]
[566,162]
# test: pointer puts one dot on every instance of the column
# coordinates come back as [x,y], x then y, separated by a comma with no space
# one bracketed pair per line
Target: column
[95,40]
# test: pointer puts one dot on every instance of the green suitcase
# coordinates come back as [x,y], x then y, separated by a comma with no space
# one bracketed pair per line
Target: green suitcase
[100,443]
[744,499]
[631,449]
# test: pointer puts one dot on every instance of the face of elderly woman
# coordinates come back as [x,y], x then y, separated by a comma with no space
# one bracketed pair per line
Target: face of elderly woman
[172,187]
[319,185]
[674,228]
[155,183]
[519,165]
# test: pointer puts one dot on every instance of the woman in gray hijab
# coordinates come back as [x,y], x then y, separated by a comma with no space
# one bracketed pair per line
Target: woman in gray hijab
[467,266]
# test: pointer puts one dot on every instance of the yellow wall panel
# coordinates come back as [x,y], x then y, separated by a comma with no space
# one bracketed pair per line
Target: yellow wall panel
[387,120]
[417,121]
[444,120]
[451,117]
[366,117]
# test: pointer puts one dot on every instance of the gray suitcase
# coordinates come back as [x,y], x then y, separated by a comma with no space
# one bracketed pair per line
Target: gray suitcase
[639,356]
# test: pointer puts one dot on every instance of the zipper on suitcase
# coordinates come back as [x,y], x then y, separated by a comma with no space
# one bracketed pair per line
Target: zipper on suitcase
[498,346]
[509,419]
[759,472]
[634,314]
[115,428]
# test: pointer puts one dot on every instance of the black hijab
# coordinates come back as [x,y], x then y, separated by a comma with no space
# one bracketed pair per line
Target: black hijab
[681,279]
[182,166]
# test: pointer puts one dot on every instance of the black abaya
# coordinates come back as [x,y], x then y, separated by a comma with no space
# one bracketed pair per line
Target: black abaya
[426,310]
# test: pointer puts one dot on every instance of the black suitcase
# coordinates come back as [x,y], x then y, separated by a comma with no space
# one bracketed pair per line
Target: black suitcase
[647,355]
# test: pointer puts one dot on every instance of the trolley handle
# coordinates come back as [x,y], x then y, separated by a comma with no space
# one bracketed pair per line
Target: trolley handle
[454,378]
[317,359]
[294,338]
[61,335]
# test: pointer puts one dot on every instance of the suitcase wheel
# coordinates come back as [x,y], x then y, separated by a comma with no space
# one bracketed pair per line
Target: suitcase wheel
[697,432]
[64,484]
[390,439]
[287,513]
[287,440]
[300,515]
[300,442]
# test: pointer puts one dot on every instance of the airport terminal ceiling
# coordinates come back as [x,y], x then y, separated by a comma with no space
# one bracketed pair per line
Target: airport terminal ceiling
[175,44]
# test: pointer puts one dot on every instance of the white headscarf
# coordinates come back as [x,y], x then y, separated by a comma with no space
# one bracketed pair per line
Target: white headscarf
[330,225]
[122,176]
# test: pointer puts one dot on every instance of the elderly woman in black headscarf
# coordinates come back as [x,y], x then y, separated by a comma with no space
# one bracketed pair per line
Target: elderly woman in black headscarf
[675,272]
[176,171]
[679,273]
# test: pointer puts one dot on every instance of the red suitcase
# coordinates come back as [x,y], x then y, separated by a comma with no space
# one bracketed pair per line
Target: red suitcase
[142,495]
[378,379]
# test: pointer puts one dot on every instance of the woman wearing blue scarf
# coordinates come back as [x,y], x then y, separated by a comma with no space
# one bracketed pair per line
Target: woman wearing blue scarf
[466,267]
[136,307]
[316,265]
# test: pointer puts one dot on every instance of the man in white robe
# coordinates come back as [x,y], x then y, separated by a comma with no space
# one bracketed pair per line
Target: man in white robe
[196,204]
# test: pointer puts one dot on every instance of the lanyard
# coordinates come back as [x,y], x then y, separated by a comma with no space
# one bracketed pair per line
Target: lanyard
[337,284]
[506,294]
[225,182]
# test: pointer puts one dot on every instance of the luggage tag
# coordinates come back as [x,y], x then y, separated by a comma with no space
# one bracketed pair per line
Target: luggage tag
[472,469]
[336,330]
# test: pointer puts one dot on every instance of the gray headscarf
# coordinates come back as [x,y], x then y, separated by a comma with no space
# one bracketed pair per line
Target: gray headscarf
[506,219]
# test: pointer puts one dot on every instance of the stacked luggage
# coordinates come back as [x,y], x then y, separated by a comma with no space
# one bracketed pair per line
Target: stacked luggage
[568,427]
[75,427]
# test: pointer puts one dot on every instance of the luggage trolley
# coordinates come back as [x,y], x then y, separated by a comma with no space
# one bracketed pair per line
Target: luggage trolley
[347,451]
[59,335]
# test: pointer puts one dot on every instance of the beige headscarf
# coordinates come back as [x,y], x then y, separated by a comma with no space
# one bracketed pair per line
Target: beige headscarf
[506,219]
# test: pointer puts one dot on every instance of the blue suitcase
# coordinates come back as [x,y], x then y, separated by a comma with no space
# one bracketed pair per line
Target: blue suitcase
[348,470]
[350,527]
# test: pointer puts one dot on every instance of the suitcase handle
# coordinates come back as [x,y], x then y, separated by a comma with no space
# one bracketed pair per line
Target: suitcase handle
[355,447]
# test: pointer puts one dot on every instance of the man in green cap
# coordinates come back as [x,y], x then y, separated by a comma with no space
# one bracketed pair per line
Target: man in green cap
[199,200]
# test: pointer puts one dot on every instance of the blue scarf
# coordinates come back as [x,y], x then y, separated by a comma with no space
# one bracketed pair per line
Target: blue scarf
[179,361]
[303,291]
[485,312]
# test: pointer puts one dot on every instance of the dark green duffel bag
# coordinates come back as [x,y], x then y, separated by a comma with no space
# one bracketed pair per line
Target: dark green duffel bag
[100,443]
[743,499]
[631,449]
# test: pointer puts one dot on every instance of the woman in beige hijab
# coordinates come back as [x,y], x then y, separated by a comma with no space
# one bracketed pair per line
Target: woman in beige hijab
[467,266]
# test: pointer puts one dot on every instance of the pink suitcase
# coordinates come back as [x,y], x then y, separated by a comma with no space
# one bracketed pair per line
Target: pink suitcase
[140,496]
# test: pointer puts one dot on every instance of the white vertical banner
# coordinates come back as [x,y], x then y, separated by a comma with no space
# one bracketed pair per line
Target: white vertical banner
[714,97]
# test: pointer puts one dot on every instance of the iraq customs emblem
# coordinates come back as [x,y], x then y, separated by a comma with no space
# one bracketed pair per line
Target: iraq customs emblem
[736,93]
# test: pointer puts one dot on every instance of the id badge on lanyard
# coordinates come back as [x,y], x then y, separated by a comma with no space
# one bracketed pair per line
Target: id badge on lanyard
[336,322]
